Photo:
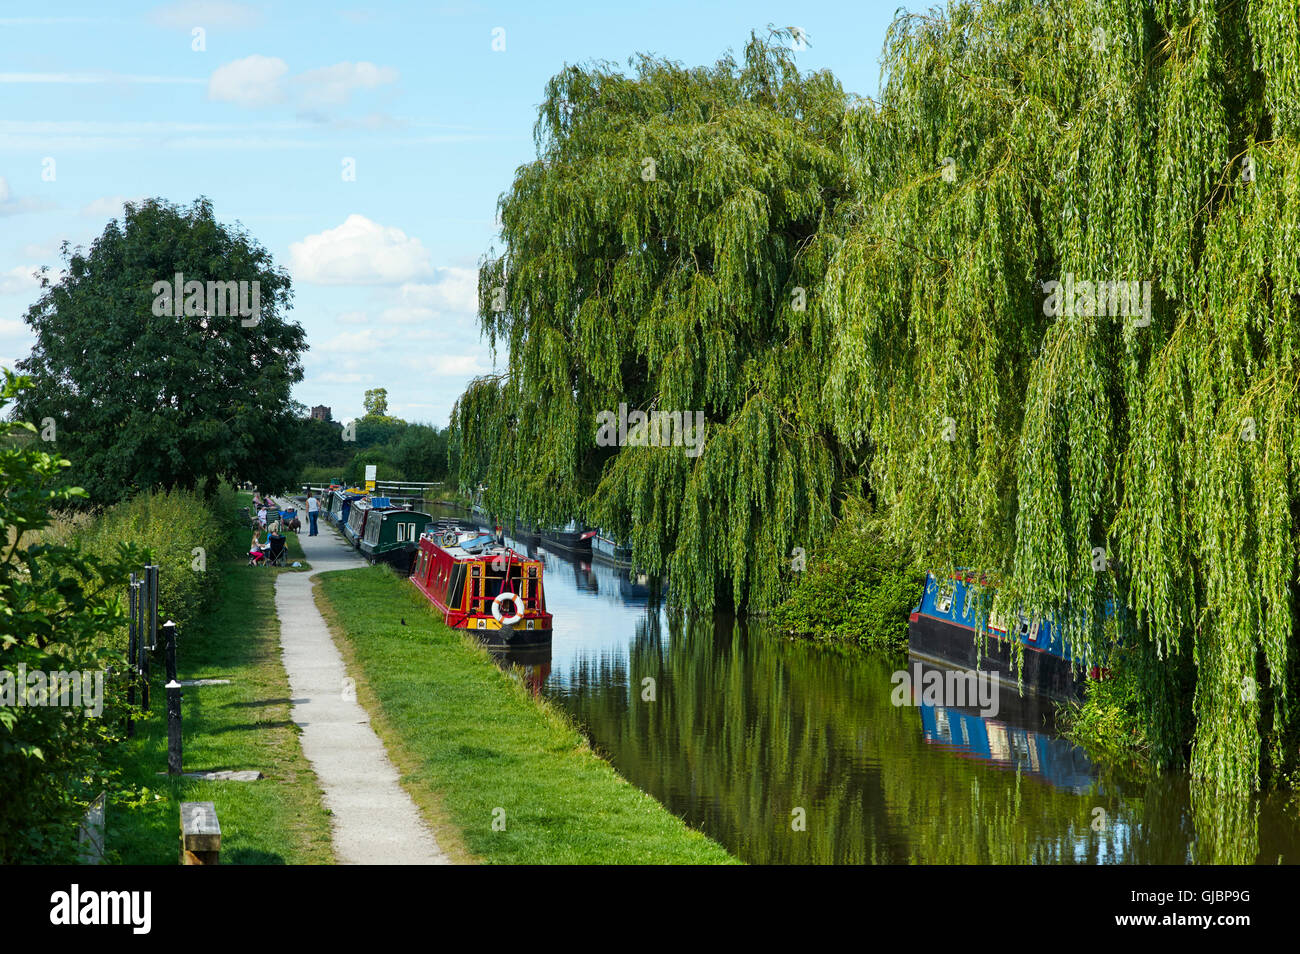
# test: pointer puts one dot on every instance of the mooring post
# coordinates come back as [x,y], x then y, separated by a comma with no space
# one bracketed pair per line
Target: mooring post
[132,667]
[146,641]
[173,701]
[173,727]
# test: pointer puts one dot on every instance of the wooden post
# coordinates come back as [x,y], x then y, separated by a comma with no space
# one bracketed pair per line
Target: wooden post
[200,834]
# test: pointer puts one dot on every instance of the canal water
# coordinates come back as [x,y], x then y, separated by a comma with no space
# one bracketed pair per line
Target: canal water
[786,751]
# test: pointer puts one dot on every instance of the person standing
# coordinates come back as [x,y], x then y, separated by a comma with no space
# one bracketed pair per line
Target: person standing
[313,508]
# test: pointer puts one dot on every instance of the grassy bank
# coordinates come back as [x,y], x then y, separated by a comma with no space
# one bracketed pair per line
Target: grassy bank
[278,819]
[474,746]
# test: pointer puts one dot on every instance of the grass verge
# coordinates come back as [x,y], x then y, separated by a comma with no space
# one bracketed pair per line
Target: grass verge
[278,819]
[475,748]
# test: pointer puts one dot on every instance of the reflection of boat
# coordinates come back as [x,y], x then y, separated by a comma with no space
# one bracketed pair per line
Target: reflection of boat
[1019,734]
[531,663]
[635,587]
[1055,760]
[479,585]
[583,576]
[573,537]
[943,630]
[605,547]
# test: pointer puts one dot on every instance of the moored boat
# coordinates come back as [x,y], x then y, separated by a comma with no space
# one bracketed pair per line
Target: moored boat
[942,630]
[605,547]
[482,586]
[572,537]
[392,536]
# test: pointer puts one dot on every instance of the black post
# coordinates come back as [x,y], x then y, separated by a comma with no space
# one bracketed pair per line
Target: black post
[142,644]
[173,723]
[132,596]
[151,572]
[169,645]
[173,701]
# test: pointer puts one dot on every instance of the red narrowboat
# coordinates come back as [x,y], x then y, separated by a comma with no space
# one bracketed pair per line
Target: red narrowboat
[480,585]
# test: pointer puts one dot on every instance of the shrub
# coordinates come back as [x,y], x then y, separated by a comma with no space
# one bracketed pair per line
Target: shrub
[182,533]
[857,587]
[58,606]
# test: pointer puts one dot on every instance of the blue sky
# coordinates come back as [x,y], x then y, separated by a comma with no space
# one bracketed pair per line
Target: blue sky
[263,117]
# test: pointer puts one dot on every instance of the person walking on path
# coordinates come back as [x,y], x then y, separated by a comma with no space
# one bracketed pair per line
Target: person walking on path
[313,508]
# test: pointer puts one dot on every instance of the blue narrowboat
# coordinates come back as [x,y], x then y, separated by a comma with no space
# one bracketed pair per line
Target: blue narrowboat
[942,630]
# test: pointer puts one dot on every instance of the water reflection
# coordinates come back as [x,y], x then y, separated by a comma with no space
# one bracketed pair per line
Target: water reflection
[744,733]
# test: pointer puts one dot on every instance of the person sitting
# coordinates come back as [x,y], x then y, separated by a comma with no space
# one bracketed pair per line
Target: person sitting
[275,544]
[256,551]
[261,516]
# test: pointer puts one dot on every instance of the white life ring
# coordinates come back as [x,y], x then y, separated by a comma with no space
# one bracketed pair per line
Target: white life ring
[496,609]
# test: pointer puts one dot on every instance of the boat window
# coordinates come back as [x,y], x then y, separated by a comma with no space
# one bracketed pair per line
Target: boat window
[943,597]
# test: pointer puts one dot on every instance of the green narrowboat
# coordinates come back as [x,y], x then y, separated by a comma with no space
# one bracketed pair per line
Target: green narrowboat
[392,536]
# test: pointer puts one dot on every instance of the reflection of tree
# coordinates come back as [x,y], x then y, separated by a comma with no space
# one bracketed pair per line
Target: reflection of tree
[747,727]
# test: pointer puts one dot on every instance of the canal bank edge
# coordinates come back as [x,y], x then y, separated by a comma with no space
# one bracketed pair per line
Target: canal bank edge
[499,775]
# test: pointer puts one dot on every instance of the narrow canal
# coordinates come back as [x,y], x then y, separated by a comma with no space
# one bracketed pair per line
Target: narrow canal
[790,752]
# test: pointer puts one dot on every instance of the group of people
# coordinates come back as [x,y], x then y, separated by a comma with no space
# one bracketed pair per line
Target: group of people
[272,525]
[270,522]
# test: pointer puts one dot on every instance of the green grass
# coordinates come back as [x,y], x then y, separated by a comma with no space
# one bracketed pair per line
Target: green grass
[470,741]
[278,819]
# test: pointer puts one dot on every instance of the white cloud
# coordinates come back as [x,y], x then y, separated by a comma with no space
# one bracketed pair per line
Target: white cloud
[187,14]
[257,81]
[457,364]
[455,289]
[18,280]
[108,207]
[252,82]
[334,85]
[12,205]
[359,252]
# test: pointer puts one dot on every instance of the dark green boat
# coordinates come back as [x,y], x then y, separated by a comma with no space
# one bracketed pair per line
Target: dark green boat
[392,536]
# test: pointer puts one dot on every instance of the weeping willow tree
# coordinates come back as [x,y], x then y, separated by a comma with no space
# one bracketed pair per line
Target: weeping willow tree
[659,256]
[1040,301]
[1066,314]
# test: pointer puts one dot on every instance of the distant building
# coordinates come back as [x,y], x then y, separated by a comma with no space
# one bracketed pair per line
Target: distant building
[321,413]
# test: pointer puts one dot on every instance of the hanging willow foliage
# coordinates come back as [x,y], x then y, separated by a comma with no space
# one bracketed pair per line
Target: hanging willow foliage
[659,255]
[1139,461]
[1053,292]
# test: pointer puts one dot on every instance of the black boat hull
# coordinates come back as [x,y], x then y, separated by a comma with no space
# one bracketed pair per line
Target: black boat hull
[570,541]
[946,644]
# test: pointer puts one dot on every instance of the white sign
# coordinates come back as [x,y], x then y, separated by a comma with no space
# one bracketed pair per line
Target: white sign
[370,471]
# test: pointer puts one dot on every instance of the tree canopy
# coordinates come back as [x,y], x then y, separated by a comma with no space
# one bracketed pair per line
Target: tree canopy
[145,388]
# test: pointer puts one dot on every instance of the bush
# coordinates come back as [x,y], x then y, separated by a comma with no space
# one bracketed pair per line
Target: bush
[857,587]
[1110,723]
[182,533]
[59,606]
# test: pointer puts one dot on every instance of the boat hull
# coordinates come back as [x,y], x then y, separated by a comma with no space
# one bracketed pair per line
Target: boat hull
[571,541]
[954,646]
[608,551]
